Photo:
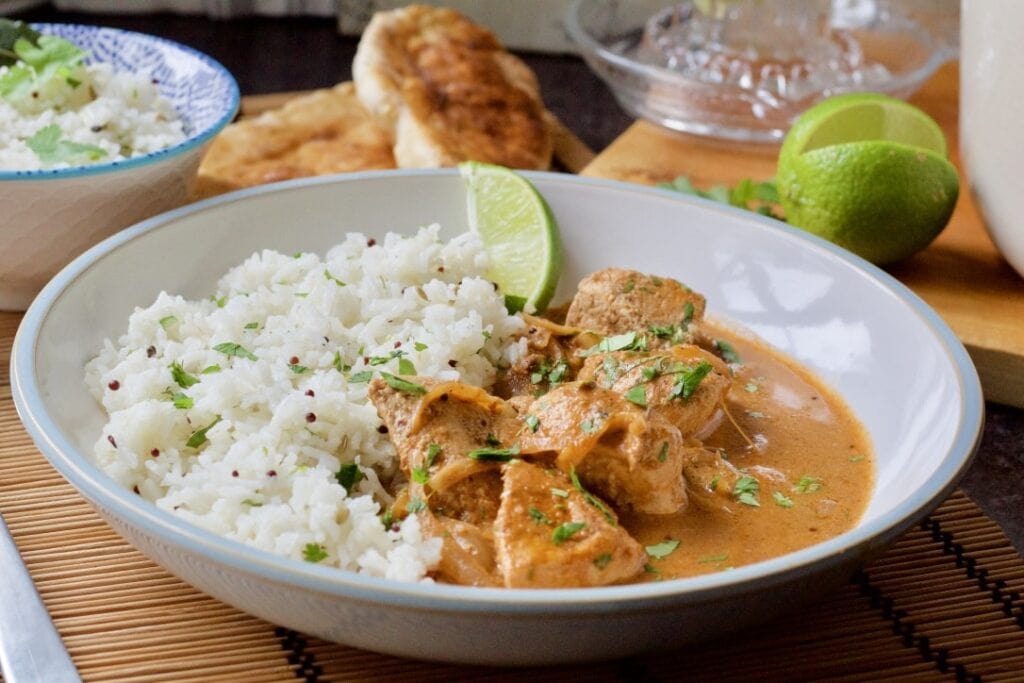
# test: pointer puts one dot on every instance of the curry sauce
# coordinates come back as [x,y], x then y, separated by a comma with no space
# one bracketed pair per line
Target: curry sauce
[632,441]
[815,460]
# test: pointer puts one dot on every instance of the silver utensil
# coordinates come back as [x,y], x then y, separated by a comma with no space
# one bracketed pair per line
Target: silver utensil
[30,647]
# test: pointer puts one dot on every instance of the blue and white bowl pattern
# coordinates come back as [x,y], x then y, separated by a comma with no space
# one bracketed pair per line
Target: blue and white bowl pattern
[201,90]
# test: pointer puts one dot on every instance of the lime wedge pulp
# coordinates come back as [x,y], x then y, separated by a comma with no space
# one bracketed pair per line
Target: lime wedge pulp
[518,231]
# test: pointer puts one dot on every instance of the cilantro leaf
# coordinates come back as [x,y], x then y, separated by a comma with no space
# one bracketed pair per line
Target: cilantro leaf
[10,33]
[233,349]
[198,437]
[539,517]
[637,395]
[403,385]
[564,532]
[727,351]
[746,490]
[493,454]
[405,367]
[314,552]
[662,550]
[689,379]
[182,378]
[748,194]
[782,500]
[590,497]
[348,476]
[807,484]
[51,149]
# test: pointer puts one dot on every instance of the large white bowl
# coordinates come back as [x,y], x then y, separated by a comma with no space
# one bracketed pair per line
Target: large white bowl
[50,216]
[899,367]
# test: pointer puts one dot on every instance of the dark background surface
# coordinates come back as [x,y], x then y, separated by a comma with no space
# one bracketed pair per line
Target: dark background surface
[272,55]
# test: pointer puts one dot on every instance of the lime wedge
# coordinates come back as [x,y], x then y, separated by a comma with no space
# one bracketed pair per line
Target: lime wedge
[869,173]
[519,234]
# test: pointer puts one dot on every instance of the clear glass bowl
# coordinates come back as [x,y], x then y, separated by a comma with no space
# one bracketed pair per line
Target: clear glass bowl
[745,69]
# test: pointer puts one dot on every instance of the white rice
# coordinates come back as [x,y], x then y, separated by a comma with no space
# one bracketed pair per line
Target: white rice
[266,476]
[122,113]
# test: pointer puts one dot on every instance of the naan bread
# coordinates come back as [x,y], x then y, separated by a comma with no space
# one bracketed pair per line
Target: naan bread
[326,131]
[449,91]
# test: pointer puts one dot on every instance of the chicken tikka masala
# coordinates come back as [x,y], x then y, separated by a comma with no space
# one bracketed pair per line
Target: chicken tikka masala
[635,441]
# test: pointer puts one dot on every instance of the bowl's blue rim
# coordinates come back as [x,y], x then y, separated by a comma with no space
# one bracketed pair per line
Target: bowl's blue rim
[86,477]
[192,142]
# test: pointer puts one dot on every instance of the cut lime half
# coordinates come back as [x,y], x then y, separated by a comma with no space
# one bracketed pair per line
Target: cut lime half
[518,231]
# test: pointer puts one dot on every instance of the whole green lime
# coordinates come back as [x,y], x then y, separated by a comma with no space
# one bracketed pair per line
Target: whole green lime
[869,173]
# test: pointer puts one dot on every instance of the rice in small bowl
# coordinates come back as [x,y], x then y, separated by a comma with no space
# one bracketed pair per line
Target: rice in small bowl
[89,146]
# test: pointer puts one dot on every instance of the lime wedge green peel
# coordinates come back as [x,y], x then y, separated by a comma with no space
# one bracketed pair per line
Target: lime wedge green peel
[518,231]
[870,173]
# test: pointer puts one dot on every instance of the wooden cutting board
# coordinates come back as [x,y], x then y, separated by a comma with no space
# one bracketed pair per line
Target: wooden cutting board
[961,274]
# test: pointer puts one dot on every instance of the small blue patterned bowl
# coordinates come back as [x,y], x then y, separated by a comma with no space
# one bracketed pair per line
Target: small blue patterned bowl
[50,216]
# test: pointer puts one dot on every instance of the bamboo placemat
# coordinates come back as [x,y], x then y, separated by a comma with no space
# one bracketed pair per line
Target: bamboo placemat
[946,602]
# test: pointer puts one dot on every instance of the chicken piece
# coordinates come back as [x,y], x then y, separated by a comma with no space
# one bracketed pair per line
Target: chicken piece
[450,92]
[434,431]
[326,131]
[551,358]
[710,478]
[621,453]
[544,539]
[616,301]
[467,551]
[683,384]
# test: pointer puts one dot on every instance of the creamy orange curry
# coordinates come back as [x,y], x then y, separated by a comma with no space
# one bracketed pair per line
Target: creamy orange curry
[634,441]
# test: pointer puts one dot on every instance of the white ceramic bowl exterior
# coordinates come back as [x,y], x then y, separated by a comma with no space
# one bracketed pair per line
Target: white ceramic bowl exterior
[899,367]
[49,217]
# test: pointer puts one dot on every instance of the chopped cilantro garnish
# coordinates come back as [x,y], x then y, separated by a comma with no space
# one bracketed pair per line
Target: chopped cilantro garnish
[491,454]
[564,532]
[602,560]
[198,437]
[327,274]
[590,497]
[360,377]
[629,286]
[637,395]
[539,517]
[630,341]
[713,484]
[662,550]
[533,422]
[220,301]
[807,484]
[421,475]
[746,490]
[781,499]
[168,320]
[688,311]
[651,569]
[387,518]
[349,475]
[233,349]
[663,453]
[727,351]
[399,384]
[673,333]
[49,146]
[689,379]
[252,326]
[314,552]
[561,493]
[433,450]
[298,369]
[182,378]
[182,401]
[252,503]
[651,372]
[210,370]
[492,440]
[339,364]
[420,346]
[405,367]
[713,559]
[416,504]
